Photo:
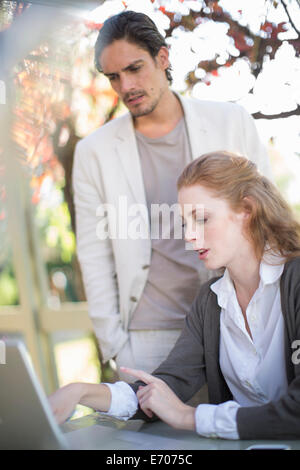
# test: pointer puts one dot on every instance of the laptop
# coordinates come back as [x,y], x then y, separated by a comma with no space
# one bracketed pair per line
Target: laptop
[27,422]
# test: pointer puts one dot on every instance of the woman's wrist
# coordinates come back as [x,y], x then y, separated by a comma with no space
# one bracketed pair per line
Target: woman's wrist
[79,388]
[186,418]
[96,396]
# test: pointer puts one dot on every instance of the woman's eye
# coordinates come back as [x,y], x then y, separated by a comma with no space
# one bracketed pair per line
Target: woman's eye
[201,221]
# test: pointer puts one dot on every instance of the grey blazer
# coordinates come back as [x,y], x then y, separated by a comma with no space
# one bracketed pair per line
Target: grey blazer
[194,361]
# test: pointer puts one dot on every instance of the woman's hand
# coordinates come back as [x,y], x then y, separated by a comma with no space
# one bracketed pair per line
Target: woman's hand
[64,401]
[157,397]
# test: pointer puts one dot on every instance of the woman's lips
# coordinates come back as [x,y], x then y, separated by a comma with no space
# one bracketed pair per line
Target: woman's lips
[202,253]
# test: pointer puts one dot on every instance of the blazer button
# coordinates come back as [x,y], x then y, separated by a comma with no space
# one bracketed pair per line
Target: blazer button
[146,266]
[133,299]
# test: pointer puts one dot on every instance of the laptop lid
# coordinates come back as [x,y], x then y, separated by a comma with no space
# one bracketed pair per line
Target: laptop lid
[26,419]
[27,422]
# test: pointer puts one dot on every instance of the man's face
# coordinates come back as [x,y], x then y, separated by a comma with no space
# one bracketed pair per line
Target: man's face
[136,77]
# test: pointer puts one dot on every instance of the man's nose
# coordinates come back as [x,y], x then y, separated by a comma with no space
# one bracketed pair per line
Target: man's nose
[126,84]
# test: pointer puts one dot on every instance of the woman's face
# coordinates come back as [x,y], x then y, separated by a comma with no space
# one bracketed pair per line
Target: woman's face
[213,228]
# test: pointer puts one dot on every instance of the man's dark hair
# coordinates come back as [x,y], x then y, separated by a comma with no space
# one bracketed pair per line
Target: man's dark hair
[136,28]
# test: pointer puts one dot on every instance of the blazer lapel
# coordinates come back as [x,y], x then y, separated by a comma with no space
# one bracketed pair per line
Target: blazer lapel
[196,127]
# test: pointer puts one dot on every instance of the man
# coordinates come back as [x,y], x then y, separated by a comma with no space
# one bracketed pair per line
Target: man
[139,289]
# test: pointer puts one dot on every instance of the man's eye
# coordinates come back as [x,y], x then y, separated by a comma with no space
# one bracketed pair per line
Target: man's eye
[135,69]
[201,221]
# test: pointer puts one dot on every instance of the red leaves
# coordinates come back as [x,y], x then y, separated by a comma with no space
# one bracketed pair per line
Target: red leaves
[93,26]
[272,29]
[216,7]
[170,15]
[241,44]
[282,27]
[239,40]
[115,101]
[267,27]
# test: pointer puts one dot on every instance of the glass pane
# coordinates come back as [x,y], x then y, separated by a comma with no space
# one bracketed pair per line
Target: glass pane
[9,293]
[8,10]
[59,99]
[4,336]
[76,358]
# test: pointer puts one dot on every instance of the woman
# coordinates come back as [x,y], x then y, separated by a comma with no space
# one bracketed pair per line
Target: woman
[242,335]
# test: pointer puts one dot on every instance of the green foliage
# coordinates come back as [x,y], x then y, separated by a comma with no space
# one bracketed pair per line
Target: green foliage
[8,288]
[55,228]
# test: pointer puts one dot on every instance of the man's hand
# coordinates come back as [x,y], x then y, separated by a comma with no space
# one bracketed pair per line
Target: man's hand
[157,397]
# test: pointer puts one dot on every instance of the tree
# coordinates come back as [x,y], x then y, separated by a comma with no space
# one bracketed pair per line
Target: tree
[255,46]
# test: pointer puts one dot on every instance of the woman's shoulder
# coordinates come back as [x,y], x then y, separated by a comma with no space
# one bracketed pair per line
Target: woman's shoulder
[205,293]
[206,286]
[290,278]
[292,267]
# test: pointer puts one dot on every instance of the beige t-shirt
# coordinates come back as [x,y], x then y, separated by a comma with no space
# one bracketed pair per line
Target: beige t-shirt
[173,278]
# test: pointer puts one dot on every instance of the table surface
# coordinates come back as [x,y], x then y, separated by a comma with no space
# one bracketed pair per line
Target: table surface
[189,440]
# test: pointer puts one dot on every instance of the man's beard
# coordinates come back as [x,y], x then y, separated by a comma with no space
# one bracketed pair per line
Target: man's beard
[144,111]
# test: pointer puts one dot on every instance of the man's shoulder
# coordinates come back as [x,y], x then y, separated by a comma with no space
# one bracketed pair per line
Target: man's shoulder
[106,133]
[222,116]
[210,105]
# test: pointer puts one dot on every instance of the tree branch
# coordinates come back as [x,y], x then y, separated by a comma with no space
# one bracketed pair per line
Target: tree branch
[289,17]
[285,114]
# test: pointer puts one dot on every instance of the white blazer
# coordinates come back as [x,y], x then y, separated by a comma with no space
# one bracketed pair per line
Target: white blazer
[106,166]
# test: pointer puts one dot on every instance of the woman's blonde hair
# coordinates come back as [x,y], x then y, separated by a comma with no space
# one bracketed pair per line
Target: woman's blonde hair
[237,180]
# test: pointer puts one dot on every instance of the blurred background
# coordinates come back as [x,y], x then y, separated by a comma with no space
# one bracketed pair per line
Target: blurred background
[51,96]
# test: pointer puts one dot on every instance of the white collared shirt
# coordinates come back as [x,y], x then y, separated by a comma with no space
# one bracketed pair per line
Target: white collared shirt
[247,365]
